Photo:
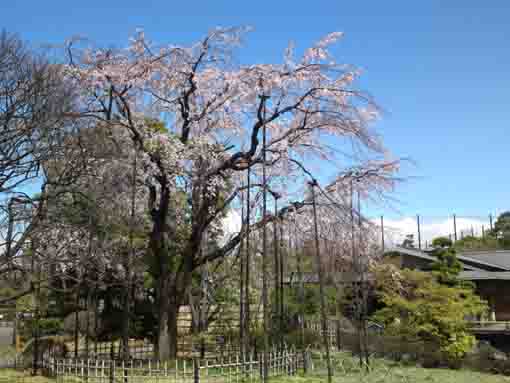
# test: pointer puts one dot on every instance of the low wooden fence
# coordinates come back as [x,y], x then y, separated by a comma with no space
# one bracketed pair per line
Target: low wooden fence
[232,369]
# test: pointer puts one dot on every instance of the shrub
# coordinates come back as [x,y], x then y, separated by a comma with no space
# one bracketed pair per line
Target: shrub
[419,308]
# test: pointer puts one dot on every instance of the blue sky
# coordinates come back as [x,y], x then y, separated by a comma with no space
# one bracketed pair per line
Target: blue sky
[439,69]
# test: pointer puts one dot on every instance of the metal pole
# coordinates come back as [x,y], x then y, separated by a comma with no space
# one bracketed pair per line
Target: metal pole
[321,284]
[455,227]
[276,265]
[419,231]
[282,269]
[247,276]
[265,301]
[241,285]
[382,232]
[490,222]
[301,295]
[353,255]
[363,286]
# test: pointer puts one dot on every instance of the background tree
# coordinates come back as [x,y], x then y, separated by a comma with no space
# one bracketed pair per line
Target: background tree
[34,100]
[442,242]
[418,308]
[447,267]
[502,229]
[408,241]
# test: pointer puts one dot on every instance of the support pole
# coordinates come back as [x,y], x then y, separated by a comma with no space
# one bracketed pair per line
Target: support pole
[276,266]
[363,286]
[241,285]
[247,271]
[324,318]
[455,227]
[265,301]
[382,233]
[301,295]
[282,255]
[419,231]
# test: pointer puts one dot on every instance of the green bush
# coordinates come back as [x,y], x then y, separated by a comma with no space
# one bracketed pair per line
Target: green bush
[419,308]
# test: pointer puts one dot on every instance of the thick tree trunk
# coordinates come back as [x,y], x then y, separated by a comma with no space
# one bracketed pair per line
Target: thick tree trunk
[181,282]
[163,336]
[173,334]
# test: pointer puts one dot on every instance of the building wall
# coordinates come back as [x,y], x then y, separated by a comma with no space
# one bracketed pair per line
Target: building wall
[497,293]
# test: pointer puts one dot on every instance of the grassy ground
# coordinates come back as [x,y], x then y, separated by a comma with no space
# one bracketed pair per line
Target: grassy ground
[346,371]
[12,376]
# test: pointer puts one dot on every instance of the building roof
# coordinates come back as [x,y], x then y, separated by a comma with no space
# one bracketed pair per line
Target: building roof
[484,275]
[495,260]
[499,258]
[422,255]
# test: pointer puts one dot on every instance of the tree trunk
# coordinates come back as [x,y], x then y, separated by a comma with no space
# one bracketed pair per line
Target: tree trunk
[163,336]
[76,324]
[173,333]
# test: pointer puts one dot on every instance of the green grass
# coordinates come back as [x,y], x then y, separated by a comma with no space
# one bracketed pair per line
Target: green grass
[401,374]
[12,376]
[346,370]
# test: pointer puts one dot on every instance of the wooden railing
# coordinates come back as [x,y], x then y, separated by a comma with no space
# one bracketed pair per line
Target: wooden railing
[249,368]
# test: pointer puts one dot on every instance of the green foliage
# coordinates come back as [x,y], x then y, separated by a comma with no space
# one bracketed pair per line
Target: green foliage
[408,241]
[495,239]
[51,325]
[442,242]
[418,307]
[489,242]
[502,230]
[447,267]
[311,301]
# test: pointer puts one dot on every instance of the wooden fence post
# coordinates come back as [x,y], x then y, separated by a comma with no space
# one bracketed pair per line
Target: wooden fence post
[196,371]
[112,370]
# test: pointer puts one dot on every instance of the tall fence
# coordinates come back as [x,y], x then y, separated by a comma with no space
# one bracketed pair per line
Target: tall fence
[231,369]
